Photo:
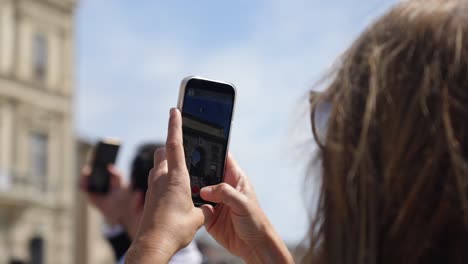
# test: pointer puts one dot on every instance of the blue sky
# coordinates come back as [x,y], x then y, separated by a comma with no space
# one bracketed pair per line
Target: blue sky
[131,58]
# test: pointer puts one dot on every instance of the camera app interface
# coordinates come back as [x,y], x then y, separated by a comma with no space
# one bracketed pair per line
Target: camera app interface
[206,115]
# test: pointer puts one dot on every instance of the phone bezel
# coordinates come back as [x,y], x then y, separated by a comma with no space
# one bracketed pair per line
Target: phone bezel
[211,85]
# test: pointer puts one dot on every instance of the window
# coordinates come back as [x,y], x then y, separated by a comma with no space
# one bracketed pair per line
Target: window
[40,57]
[38,159]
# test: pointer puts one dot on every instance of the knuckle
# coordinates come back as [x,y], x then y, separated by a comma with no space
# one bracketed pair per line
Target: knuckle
[159,152]
[160,171]
[172,144]
[223,189]
[181,166]
[178,176]
[151,173]
[244,201]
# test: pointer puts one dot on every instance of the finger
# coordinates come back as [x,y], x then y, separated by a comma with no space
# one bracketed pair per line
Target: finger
[85,171]
[231,164]
[159,156]
[83,182]
[225,194]
[174,142]
[208,213]
[116,179]
[233,173]
[199,216]
[159,164]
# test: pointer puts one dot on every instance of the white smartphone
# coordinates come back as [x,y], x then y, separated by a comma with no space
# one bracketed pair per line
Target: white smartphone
[207,108]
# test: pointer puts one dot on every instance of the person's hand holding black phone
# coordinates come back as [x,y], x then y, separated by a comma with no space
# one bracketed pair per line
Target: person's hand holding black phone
[109,204]
[102,182]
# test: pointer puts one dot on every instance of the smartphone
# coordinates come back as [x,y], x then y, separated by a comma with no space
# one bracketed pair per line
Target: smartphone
[105,153]
[207,108]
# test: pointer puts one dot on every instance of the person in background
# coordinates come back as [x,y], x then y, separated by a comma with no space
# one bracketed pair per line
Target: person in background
[122,206]
[394,156]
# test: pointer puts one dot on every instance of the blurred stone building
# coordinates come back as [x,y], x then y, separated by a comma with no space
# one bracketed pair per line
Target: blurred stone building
[42,217]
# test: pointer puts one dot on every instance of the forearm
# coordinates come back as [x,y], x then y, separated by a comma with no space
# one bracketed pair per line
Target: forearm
[271,250]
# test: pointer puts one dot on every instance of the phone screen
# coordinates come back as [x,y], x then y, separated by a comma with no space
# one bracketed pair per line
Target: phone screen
[206,117]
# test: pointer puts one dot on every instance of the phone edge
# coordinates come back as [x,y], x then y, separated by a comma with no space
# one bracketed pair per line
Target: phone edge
[180,102]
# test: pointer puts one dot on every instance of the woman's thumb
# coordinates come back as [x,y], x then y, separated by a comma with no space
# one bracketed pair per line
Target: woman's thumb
[225,194]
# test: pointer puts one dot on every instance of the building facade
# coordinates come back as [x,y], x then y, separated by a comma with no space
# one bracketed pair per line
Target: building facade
[37,144]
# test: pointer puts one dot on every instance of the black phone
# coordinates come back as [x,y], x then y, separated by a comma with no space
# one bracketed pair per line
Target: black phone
[105,153]
[207,108]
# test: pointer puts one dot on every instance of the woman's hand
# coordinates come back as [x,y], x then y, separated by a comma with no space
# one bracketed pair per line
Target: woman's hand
[238,223]
[170,219]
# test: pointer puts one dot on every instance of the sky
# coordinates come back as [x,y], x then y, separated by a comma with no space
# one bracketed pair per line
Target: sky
[132,55]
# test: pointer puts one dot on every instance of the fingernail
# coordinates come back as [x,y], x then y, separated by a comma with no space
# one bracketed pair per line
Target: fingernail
[173,111]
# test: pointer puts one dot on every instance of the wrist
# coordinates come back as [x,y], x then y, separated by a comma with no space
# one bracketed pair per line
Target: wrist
[151,251]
